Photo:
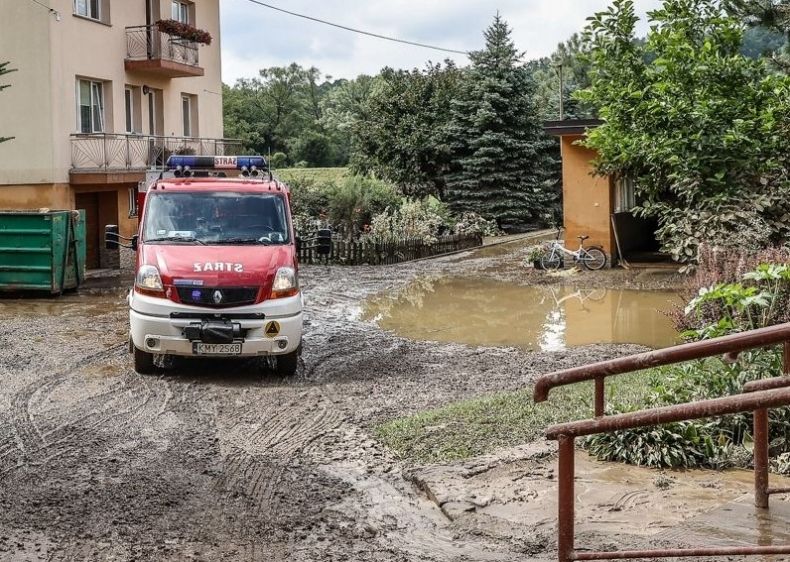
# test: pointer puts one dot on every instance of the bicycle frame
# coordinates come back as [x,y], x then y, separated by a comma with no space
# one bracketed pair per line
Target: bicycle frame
[559,246]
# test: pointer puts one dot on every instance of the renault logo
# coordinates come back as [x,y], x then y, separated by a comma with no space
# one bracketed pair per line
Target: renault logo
[217,297]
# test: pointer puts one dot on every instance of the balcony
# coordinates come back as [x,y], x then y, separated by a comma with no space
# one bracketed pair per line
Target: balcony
[109,157]
[151,51]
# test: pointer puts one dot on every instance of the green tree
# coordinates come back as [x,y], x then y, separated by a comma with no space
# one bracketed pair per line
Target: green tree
[700,128]
[5,70]
[503,168]
[342,107]
[770,16]
[280,110]
[570,59]
[400,136]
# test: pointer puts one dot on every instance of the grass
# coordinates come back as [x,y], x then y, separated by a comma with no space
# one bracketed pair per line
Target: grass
[480,425]
[316,175]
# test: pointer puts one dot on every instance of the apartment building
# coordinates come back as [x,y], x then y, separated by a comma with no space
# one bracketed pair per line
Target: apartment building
[104,92]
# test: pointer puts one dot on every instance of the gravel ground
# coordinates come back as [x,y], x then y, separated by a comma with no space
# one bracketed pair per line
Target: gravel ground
[227,461]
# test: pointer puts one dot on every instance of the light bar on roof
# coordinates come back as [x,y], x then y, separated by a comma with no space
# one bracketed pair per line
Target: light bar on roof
[216,162]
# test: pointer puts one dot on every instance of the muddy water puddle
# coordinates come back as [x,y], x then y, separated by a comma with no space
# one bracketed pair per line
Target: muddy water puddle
[488,312]
[80,305]
[613,498]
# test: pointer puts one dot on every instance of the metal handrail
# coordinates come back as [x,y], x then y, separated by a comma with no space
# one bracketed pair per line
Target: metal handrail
[731,344]
[566,433]
[678,412]
[757,397]
[115,151]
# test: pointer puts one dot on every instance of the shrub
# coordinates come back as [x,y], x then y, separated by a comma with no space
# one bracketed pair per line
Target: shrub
[751,299]
[414,219]
[714,443]
[308,198]
[472,223]
[353,202]
[278,160]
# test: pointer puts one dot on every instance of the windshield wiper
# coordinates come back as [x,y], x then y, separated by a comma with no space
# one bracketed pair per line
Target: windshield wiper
[260,241]
[176,239]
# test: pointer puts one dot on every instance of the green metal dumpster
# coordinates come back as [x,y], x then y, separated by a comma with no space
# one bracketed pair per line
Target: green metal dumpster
[42,250]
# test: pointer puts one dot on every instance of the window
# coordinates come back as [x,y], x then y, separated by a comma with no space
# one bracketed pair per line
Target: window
[88,8]
[128,102]
[625,198]
[90,106]
[222,218]
[186,110]
[180,11]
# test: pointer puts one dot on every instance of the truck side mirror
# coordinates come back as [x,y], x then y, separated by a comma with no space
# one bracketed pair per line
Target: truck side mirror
[134,243]
[111,237]
[324,242]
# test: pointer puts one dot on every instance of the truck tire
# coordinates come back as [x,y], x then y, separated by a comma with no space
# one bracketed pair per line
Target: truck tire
[143,362]
[288,363]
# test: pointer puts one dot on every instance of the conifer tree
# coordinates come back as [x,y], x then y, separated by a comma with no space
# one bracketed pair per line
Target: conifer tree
[5,70]
[503,163]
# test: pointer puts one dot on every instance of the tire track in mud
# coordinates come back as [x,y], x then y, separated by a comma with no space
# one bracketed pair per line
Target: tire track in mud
[120,401]
[262,468]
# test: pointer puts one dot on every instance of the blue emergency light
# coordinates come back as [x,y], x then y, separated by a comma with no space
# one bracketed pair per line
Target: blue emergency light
[183,162]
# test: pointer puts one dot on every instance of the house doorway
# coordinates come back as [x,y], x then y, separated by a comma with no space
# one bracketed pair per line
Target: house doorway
[101,209]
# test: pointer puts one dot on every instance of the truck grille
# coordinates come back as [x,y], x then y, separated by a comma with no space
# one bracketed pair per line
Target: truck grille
[218,297]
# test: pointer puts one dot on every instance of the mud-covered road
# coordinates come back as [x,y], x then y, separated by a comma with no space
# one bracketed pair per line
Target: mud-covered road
[226,461]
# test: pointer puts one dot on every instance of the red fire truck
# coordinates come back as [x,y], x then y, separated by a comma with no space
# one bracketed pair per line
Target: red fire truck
[216,270]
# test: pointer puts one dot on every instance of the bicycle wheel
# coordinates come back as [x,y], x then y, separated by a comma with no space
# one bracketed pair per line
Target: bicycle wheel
[593,259]
[551,261]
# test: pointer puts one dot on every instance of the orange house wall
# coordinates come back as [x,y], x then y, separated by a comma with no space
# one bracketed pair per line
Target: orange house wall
[588,200]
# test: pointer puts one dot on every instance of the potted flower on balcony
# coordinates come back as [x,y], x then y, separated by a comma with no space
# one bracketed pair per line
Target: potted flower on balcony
[184,31]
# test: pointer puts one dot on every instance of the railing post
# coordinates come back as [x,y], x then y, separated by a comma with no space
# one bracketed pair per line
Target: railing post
[761,443]
[565,520]
[761,458]
[599,396]
[104,143]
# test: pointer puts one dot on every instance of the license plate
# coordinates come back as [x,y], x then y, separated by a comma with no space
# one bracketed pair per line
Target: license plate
[216,348]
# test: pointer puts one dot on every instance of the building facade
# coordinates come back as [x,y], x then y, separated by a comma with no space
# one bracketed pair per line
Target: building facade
[102,93]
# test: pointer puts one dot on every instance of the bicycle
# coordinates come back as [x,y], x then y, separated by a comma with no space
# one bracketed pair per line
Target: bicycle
[591,258]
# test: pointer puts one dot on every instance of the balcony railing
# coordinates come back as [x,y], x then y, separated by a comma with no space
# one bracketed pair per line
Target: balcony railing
[147,48]
[108,152]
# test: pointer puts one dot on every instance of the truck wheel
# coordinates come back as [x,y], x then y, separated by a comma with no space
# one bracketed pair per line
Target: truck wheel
[143,362]
[288,364]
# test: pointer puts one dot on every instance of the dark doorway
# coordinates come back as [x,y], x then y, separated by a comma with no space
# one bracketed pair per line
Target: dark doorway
[636,239]
[101,209]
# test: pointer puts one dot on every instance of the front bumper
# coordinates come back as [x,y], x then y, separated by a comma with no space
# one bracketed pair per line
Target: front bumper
[153,330]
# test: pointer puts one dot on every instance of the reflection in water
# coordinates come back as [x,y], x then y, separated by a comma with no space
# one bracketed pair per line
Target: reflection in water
[495,313]
[85,305]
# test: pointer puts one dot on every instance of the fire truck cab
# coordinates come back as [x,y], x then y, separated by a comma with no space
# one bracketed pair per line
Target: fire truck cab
[216,265]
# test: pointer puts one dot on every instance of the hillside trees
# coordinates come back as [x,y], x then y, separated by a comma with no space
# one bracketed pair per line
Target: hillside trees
[281,110]
[502,161]
[770,19]
[569,58]
[701,129]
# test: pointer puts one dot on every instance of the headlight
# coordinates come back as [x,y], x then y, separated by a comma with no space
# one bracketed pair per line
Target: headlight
[285,283]
[148,280]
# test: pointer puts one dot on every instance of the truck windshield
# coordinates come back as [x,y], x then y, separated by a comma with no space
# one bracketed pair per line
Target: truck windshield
[216,217]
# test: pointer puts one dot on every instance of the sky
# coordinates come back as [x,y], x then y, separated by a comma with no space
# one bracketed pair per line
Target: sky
[255,37]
